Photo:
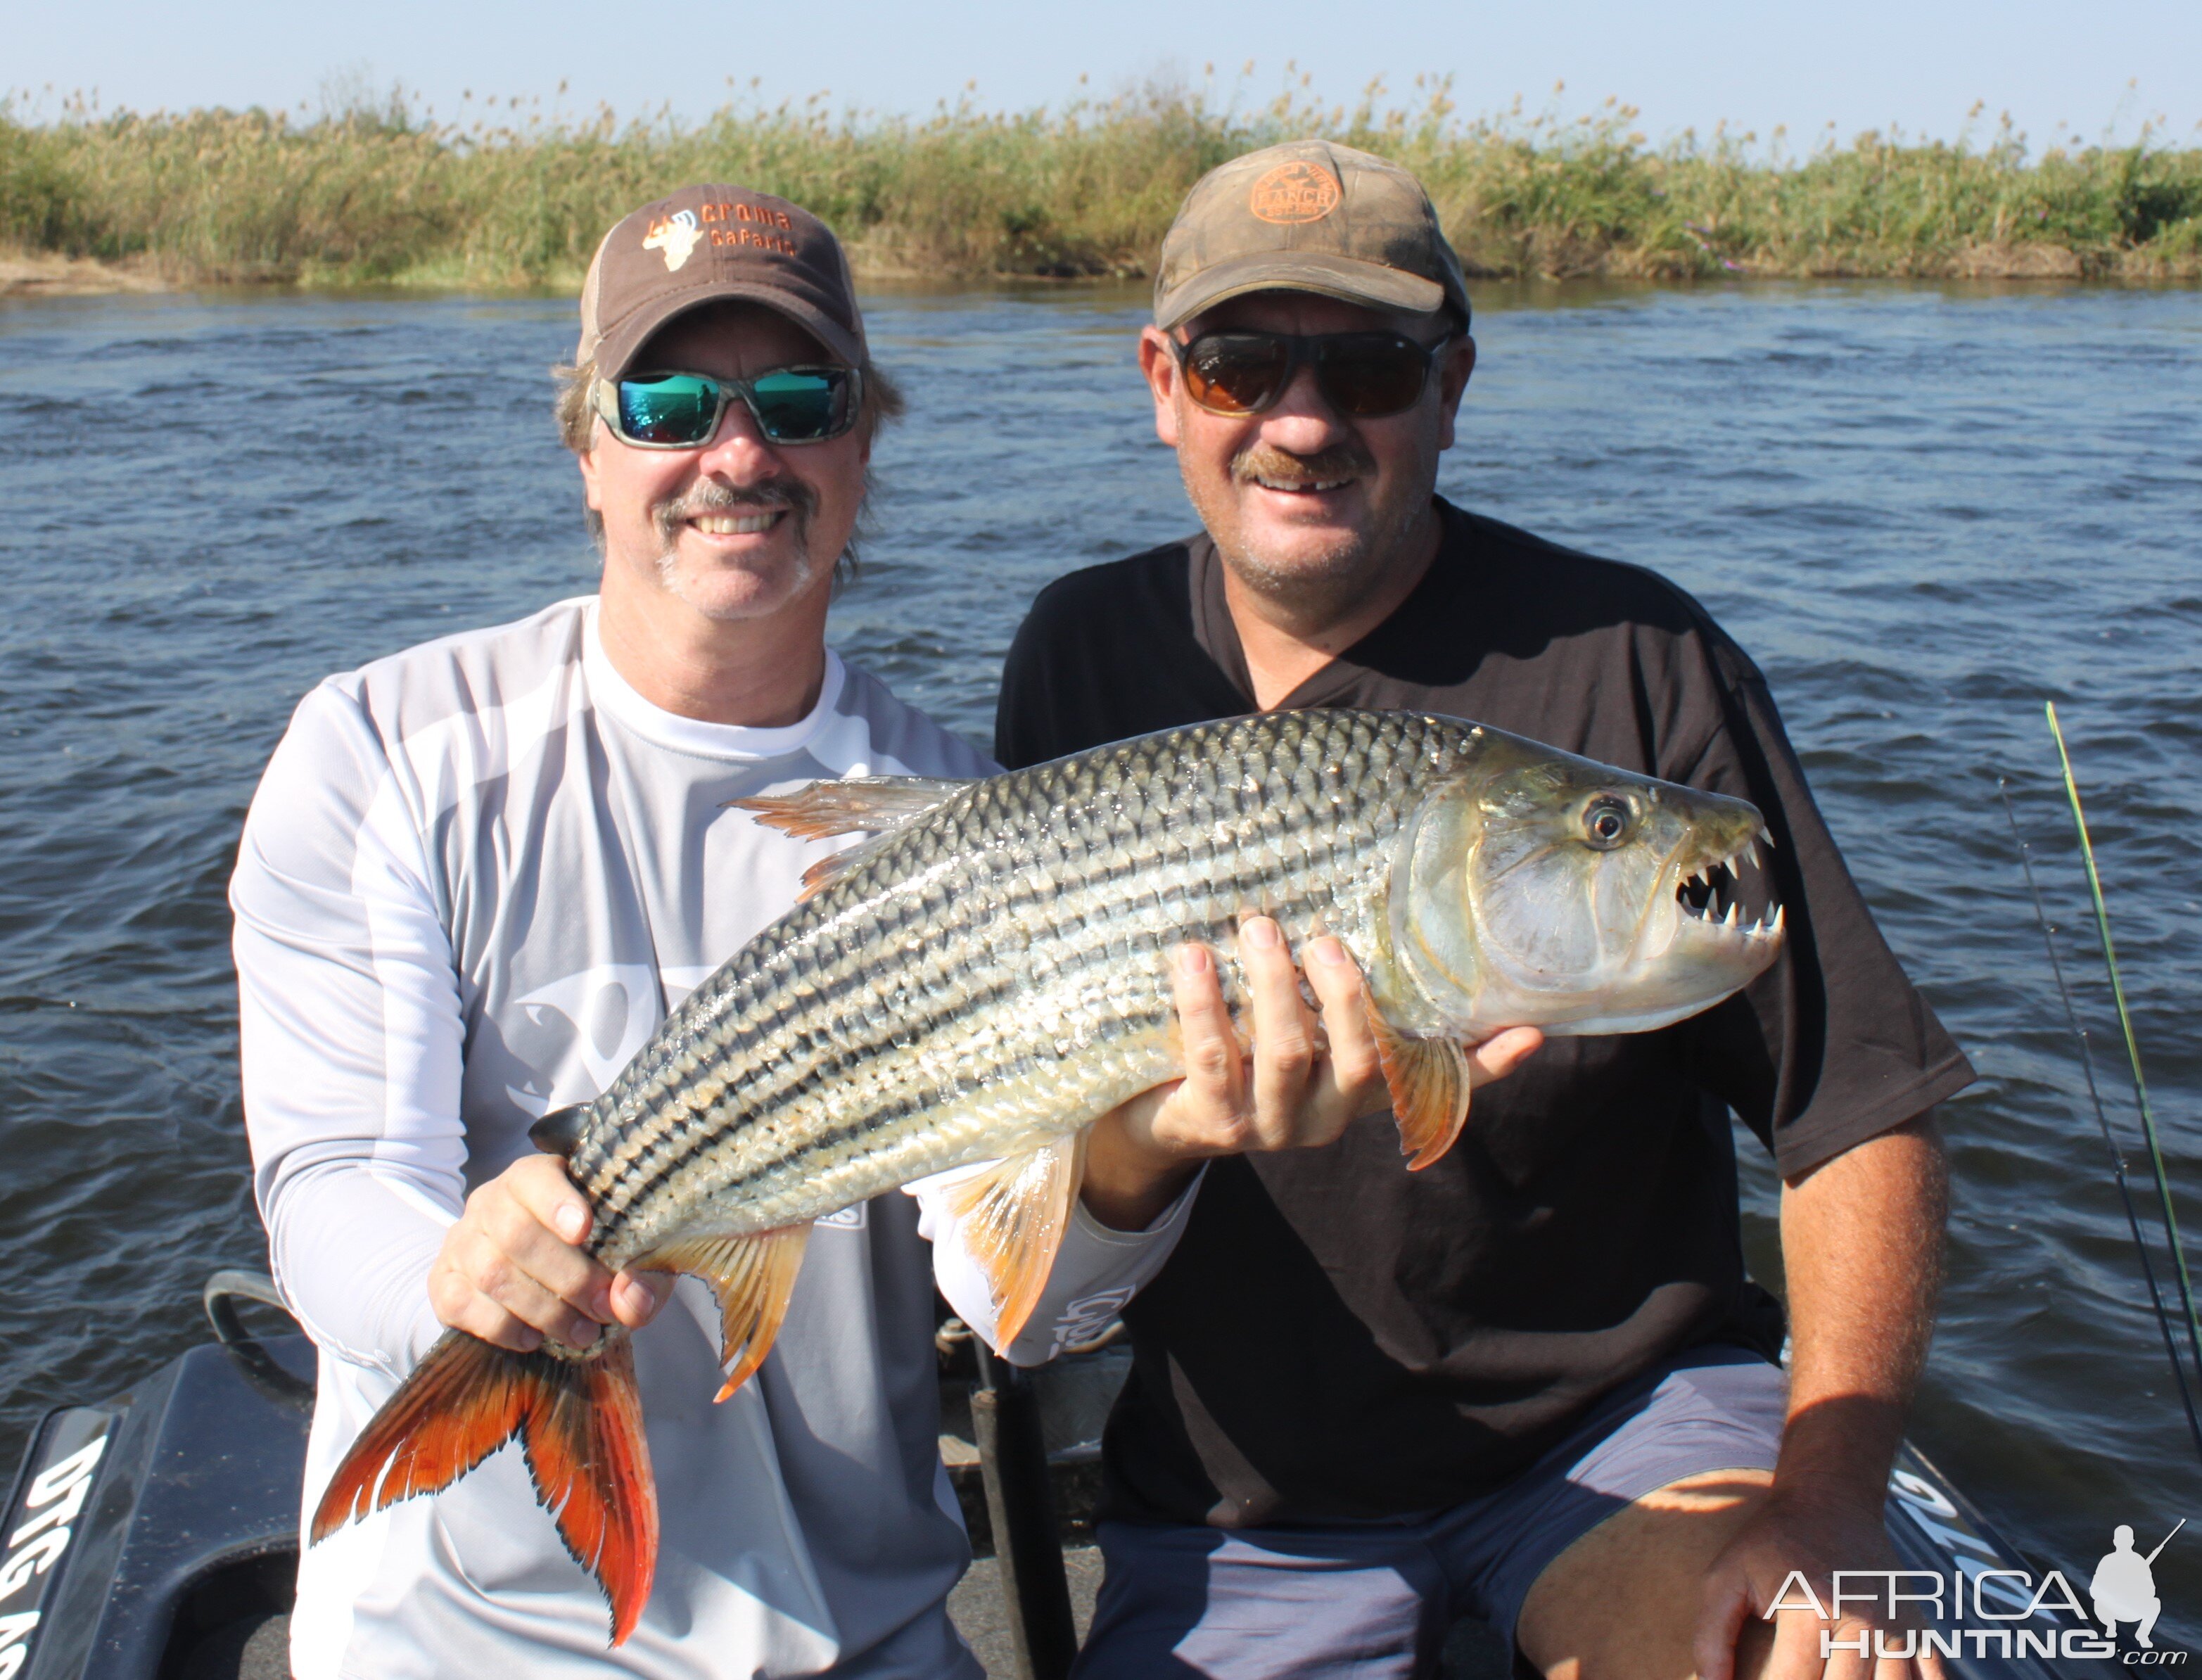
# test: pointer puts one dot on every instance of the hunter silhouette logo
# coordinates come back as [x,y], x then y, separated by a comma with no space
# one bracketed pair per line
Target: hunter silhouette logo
[2124,1586]
[676,237]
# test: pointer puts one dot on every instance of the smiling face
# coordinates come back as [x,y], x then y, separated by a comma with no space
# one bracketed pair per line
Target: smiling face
[1310,509]
[741,528]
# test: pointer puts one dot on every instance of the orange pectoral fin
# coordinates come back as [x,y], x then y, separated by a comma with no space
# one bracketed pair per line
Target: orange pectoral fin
[753,1276]
[1011,1218]
[1428,1080]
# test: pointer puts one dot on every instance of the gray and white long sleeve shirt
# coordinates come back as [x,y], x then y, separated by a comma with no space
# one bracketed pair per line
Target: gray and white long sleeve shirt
[475,878]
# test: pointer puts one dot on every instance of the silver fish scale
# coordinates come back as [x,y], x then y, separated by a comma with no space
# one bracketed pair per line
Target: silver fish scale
[996,975]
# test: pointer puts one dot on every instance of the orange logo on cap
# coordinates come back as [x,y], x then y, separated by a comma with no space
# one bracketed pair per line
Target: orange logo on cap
[1295,192]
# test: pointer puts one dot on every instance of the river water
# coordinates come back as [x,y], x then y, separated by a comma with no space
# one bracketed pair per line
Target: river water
[1924,511]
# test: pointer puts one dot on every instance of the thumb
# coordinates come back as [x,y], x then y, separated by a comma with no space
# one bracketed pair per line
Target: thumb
[637,1296]
[1721,1616]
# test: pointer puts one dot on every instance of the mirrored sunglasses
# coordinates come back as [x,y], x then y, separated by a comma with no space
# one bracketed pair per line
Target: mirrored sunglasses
[791,405]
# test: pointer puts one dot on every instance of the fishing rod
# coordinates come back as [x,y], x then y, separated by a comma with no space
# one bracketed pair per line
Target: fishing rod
[2132,1049]
[2102,1120]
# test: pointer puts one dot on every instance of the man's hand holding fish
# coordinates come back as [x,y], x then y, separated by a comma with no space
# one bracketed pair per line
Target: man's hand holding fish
[1313,1074]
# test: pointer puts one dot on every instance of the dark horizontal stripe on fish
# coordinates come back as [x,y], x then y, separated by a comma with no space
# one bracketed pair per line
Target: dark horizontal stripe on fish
[1247,788]
[846,963]
[1112,935]
[691,1139]
[877,1018]
[881,1123]
[852,971]
[688,1136]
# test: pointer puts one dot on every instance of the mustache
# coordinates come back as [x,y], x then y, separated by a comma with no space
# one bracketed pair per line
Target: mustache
[1341,460]
[708,495]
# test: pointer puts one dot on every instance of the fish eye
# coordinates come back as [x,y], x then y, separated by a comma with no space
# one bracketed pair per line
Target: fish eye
[1605,822]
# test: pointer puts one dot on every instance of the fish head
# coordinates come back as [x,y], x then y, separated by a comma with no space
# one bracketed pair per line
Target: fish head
[1546,890]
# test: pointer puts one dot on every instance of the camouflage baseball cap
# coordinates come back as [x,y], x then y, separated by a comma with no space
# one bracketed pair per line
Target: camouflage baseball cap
[705,244]
[1308,215]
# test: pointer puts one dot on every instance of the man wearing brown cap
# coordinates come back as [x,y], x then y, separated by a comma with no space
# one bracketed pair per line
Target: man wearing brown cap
[1532,1383]
[475,877]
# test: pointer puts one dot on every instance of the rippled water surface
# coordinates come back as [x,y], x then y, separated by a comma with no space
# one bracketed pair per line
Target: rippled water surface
[1922,511]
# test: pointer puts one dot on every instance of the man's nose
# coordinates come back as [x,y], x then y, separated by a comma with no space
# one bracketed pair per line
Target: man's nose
[1302,421]
[739,449]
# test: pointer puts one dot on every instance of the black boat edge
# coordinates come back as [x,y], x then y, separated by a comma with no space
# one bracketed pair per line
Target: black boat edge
[154,1535]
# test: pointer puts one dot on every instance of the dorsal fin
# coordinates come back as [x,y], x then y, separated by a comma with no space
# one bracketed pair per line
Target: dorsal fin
[879,805]
[559,1131]
[858,804]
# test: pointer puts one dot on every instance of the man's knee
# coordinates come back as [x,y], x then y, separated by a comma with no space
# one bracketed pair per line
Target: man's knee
[1623,1599]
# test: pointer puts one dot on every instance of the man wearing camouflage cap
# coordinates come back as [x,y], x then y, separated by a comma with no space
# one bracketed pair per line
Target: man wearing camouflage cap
[1533,1384]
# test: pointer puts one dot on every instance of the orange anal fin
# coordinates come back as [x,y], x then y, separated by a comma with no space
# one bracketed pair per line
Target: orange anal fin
[1011,1218]
[591,1462]
[753,1276]
[581,1423]
[1428,1078]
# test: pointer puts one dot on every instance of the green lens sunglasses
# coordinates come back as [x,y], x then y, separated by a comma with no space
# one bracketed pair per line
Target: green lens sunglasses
[791,405]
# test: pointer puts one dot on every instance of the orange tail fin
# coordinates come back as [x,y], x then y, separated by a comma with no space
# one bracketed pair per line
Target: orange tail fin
[579,1422]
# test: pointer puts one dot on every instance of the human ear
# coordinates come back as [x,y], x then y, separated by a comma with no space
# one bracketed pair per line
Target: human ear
[1158,362]
[1454,367]
[591,490]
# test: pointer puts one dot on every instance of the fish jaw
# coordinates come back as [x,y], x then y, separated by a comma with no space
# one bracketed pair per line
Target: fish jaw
[1687,958]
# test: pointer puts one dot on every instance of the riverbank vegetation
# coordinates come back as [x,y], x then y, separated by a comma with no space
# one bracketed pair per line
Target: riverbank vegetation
[379,193]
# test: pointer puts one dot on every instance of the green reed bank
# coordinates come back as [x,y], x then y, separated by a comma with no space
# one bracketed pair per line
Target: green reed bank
[515,199]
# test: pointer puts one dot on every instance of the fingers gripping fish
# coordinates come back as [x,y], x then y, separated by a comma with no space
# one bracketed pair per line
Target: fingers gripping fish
[988,973]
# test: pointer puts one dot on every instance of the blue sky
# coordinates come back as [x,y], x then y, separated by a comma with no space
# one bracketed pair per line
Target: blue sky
[1864,64]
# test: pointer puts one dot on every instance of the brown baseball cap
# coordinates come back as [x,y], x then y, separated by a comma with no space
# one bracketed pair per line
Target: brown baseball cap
[704,243]
[1308,215]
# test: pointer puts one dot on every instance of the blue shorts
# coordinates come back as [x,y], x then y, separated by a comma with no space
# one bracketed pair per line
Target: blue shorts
[1374,1600]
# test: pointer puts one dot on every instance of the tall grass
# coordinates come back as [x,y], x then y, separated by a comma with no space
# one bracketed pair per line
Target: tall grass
[384,194]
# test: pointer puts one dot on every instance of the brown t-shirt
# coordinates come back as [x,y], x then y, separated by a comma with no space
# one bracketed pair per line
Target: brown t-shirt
[1338,1338]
